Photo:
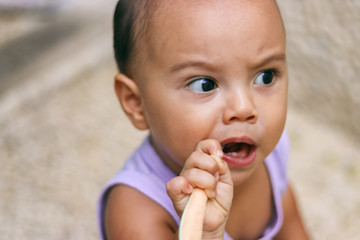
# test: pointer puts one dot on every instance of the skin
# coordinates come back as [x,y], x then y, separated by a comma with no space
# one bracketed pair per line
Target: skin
[230,43]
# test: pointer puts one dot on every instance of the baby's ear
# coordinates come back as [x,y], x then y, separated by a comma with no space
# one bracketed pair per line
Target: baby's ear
[129,96]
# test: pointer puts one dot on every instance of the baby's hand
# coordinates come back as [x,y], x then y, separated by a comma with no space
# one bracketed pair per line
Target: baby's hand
[201,170]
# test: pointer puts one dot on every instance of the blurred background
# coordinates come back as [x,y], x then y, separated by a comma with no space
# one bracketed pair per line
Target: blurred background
[63,134]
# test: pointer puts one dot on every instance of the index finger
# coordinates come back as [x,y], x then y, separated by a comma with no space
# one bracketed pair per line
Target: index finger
[210,147]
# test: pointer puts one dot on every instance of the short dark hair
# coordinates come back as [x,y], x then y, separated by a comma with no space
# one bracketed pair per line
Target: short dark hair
[123,33]
[129,23]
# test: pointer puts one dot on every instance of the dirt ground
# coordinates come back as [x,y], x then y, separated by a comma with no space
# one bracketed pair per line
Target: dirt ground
[63,135]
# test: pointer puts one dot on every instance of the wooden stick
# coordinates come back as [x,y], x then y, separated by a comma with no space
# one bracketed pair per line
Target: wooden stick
[193,216]
[192,220]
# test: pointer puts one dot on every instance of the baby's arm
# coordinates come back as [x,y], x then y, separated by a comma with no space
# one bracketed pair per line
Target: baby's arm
[202,171]
[293,227]
[132,215]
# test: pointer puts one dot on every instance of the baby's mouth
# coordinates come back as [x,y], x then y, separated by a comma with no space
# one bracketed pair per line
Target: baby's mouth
[239,152]
[238,149]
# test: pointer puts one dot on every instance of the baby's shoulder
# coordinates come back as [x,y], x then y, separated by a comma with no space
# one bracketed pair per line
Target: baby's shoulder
[125,213]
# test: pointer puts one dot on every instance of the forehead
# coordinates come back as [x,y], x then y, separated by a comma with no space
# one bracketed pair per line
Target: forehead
[209,26]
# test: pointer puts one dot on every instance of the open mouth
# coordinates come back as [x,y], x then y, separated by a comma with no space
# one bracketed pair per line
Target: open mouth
[240,150]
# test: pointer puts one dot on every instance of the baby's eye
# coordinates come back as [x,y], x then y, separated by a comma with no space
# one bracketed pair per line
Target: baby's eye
[267,77]
[202,85]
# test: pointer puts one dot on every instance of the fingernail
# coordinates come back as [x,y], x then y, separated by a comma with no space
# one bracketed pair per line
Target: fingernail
[219,153]
[190,188]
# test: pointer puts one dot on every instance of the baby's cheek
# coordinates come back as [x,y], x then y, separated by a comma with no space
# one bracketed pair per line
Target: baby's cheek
[273,134]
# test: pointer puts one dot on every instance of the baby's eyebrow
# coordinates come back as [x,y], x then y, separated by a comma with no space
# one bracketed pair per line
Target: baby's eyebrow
[187,64]
[271,58]
[198,63]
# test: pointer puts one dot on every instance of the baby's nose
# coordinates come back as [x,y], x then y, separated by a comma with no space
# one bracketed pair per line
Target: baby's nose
[240,107]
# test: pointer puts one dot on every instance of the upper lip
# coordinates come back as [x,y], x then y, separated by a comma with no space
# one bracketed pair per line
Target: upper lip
[242,139]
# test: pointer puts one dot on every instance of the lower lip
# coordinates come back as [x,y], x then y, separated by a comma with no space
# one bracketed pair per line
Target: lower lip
[238,162]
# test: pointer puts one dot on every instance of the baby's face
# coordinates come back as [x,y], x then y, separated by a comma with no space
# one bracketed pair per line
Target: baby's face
[216,70]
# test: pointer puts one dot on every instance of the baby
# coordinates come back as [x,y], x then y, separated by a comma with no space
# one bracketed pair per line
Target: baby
[205,77]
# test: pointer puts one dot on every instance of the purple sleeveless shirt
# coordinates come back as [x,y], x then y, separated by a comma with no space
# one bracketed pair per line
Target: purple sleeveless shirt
[147,173]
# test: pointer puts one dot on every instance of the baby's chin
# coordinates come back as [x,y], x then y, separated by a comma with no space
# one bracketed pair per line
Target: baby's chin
[241,176]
